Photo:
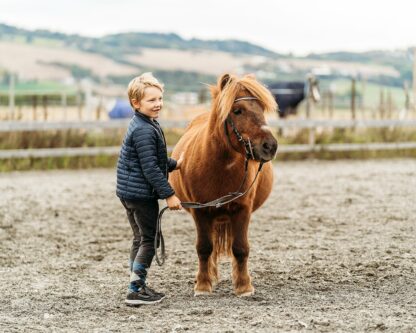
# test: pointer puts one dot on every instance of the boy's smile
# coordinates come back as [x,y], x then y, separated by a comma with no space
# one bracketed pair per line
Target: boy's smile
[151,104]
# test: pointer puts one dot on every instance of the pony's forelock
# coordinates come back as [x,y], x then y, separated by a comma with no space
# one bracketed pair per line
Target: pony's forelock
[223,100]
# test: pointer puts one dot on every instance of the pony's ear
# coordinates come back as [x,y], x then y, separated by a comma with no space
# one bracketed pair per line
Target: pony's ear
[223,80]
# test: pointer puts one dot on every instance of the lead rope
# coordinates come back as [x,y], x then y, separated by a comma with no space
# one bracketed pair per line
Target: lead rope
[217,203]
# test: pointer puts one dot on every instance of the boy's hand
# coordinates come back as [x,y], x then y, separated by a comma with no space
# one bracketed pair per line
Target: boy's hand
[180,161]
[174,203]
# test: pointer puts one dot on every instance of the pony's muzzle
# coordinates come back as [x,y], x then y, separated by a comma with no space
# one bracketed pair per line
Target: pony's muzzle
[266,150]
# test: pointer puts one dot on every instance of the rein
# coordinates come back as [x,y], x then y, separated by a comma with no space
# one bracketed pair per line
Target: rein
[217,203]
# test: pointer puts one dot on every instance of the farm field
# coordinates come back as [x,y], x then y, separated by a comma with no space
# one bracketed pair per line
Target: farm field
[331,250]
[39,62]
[371,92]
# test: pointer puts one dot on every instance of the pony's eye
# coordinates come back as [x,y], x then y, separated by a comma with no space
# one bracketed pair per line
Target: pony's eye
[237,112]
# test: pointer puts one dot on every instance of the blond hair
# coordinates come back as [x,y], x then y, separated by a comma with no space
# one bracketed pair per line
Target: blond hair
[137,86]
[229,86]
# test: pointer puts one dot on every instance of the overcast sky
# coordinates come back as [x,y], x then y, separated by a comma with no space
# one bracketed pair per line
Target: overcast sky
[298,26]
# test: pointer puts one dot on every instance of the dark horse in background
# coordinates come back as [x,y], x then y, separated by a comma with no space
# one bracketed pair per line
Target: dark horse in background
[290,94]
[214,166]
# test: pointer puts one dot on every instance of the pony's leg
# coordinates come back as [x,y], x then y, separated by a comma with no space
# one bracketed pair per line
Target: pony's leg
[214,267]
[240,248]
[204,248]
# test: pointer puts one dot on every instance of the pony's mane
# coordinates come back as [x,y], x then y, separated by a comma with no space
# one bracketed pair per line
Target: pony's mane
[223,99]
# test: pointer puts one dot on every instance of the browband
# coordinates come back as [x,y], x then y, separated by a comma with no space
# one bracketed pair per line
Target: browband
[245,98]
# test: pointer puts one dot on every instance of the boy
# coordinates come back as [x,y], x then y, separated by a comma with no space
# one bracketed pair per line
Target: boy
[142,173]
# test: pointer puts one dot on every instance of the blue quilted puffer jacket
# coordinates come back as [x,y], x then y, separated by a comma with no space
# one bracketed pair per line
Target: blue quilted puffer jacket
[143,164]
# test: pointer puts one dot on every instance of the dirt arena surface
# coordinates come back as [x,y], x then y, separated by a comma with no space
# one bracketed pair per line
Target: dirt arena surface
[333,250]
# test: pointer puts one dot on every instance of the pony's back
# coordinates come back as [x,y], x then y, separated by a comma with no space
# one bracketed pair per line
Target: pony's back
[194,128]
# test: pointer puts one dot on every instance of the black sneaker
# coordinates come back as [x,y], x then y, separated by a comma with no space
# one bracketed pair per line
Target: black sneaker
[151,291]
[143,296]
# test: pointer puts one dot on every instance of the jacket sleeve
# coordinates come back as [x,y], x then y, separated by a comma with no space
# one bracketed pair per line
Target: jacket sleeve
[145,143]
[171,164]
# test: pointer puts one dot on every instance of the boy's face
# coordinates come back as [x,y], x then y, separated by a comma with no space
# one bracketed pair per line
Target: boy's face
[151,103]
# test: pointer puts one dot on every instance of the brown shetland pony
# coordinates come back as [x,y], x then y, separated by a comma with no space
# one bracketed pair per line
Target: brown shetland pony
[214,166]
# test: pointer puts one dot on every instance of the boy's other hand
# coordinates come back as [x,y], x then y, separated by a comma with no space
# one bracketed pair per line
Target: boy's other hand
[179,161]
[174,203]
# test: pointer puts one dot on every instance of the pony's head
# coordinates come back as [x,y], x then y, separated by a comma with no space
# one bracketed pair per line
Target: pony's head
[240,104]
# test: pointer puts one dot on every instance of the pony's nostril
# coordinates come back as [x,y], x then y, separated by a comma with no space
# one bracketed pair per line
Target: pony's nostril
[266,147]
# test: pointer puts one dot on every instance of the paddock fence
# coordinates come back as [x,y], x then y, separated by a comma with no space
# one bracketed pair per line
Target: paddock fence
[311,125]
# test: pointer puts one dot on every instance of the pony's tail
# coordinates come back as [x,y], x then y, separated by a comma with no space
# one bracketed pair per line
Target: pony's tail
[222,237]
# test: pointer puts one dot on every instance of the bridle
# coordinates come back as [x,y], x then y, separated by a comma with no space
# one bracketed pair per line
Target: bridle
[217,203]
[246,143]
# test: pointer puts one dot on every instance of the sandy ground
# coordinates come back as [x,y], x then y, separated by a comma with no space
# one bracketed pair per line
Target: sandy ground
[333,250]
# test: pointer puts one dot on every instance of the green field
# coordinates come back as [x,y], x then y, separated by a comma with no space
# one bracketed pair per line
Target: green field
[37,87]
[371,92]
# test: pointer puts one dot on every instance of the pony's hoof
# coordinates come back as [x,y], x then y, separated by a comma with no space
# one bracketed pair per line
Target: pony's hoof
[245,292]
[202,293]
[203,288]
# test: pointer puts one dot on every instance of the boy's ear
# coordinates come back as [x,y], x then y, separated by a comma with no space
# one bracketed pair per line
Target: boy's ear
[135,103]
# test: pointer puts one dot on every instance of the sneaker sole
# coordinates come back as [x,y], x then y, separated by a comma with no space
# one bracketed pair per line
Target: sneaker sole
[140,302]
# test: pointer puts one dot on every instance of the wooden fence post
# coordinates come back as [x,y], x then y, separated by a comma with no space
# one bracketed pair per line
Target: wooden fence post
[381,105]
[406,96]
[98,109]
[79,105]
[34,104]
[64,105]
[45,107]
[19,114]
[363,91]
[11,96]
[353,99]
[323,103]
[331,104]
[308,107]
[389,105]
[414,80]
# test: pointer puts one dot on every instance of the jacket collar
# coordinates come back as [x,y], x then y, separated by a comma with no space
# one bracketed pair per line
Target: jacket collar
[144,117]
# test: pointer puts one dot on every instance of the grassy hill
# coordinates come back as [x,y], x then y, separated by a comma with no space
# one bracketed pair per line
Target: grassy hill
[41,55]
[401,60]
[116,45]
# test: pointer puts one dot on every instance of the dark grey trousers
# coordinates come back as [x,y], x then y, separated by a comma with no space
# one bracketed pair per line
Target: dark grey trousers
[142,216]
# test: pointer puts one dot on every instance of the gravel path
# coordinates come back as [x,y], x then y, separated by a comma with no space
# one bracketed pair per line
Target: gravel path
[332,250]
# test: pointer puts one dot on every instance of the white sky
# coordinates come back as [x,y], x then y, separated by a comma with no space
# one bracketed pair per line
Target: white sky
[298,26]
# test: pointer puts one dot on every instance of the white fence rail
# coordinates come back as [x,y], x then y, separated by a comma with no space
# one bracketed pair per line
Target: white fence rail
[17,126]
[312,125]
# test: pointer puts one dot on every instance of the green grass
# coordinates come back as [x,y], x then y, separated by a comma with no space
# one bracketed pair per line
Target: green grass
[351,155]
[71,138]
[40,87]
[351,136]
[84,162]
[372,92]
[47,42]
